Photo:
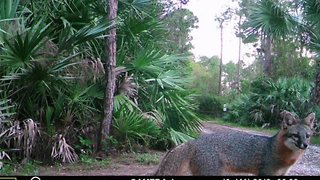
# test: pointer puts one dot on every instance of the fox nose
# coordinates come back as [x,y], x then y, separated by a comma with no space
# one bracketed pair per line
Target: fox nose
[303,146]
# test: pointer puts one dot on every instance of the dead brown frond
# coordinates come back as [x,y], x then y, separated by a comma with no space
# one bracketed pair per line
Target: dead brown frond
[92,69]
[50,49]
[127,86]
[3,155]
[8,132]
[120,70]
[30,132]
[155,116]
[20,136]
[63,151]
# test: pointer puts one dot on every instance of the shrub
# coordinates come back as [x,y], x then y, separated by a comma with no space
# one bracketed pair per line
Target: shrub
[132,128]
[209,105]
[267,99]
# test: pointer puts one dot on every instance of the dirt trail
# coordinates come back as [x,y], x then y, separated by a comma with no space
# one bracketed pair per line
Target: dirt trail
[308,165]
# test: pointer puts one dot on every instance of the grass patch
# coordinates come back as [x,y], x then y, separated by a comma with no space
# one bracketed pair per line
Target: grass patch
[147,158]
[315,140]
[30,168]
[90,161]
[7,169]
[86,162]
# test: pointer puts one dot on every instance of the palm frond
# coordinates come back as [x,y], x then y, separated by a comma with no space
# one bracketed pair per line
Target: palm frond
[6,109]
[311,9]
[8,9]
[61,150]
[127,86]
[132,127]
[121,101]
[20,136]
[138,7]
[271,18]
[68,39]
[24,47]
[179,137]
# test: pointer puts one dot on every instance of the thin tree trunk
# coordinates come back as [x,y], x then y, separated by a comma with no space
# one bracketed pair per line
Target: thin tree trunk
[239,58]
[221,53]
[315,98]
[266,49]
[268,57]
[316,89]
[111,49]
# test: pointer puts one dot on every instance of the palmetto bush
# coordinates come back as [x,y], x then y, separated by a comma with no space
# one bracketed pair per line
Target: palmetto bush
[40,69]
[210,105]
[17,138]
[50,68]
[132,128]
[162,90]
[267,99]
[152,107]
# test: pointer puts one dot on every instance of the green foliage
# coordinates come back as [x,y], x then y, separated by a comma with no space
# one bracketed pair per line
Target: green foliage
[267,99]
[162,80]
[69,39]
[92,162]
[85,159]
[204,76]
[85,146]
[315,140]
[131,127]
[25,47]
[210,105]
[7,169]
[50,69]
[41,82]
[8,15]
[178,137]
[148,158]
[179,24]
[30,168]
[270,18]
[205,84]
[6,110]
[288,62]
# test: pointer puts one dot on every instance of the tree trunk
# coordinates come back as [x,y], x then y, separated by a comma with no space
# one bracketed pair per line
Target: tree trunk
[316,89]
[111,49]
[239,57]
[266,48]
[315,99]
[268,57]
[221,53]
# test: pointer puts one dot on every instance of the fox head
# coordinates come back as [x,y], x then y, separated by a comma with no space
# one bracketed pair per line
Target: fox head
[297,132]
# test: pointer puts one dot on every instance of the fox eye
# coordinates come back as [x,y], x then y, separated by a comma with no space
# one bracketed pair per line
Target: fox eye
[295,135]
[308,135]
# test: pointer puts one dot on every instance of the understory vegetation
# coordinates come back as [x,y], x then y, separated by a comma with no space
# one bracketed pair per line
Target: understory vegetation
[52,69]
[53,63]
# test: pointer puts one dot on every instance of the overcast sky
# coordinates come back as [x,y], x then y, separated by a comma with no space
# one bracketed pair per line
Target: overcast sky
[206,39]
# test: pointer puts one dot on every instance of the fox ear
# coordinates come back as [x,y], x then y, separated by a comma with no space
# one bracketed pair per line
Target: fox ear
[309,120]
[288,119]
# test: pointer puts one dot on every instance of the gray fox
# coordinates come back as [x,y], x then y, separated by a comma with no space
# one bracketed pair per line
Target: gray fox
[236,152]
